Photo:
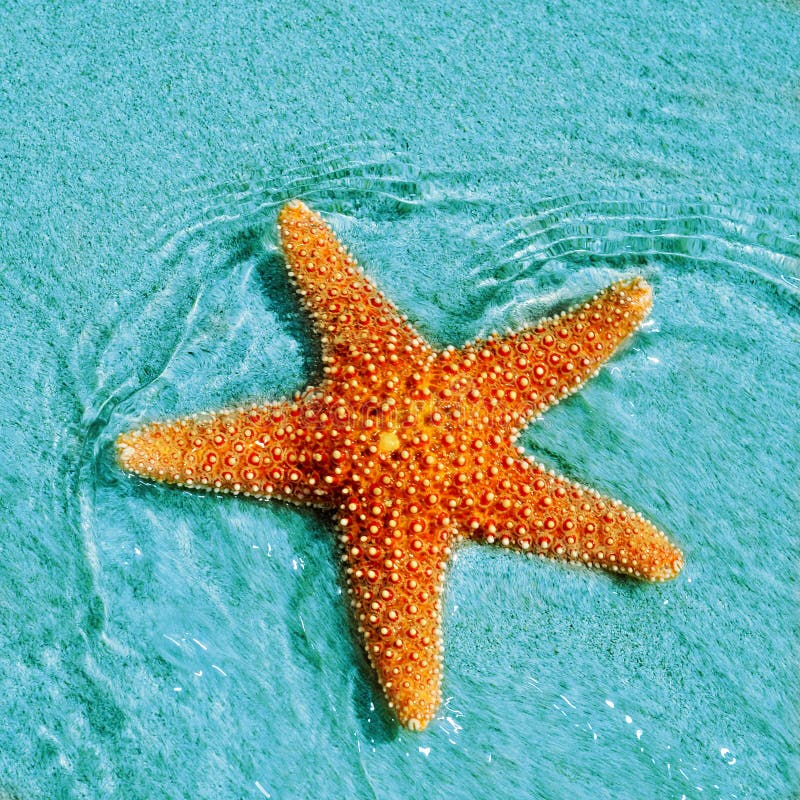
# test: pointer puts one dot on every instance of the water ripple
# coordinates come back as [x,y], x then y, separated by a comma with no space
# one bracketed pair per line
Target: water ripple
[567,227]
[354,174]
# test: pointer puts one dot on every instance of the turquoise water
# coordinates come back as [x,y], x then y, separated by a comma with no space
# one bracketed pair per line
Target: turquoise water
[487,165]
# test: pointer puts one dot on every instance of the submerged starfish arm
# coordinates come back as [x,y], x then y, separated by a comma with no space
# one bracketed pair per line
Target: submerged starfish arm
[261,451]
[526,372]
[353,318]
[529,508]
[395,560]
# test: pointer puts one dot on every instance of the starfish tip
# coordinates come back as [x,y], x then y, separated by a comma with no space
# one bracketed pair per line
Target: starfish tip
[125,448]
[125,453]
[638,293]
[293,211]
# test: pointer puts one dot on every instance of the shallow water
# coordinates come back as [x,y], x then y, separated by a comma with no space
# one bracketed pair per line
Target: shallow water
[156,643]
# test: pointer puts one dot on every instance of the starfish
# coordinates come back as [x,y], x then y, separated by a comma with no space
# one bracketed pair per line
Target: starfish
[414,450]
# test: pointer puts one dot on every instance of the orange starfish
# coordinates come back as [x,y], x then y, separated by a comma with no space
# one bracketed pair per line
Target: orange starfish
[414,450]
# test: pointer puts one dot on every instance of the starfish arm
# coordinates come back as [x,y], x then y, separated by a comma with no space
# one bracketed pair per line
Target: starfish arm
[529,508]
[395,561]
[526,372]
[278,450]
[351,315]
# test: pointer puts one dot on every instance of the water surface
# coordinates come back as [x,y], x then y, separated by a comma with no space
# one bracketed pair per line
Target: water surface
[486,167]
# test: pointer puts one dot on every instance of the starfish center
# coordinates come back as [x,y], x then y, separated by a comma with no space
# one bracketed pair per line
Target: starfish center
[388,442]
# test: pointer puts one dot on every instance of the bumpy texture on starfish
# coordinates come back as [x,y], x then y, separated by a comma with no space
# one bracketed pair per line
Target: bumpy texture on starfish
[413,450]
